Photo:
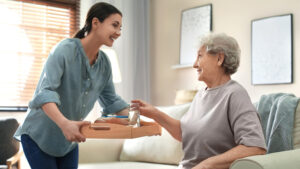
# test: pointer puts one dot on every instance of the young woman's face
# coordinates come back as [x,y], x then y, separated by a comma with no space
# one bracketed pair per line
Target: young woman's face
[109,30]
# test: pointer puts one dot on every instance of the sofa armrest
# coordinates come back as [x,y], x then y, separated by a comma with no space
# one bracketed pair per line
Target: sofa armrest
[100,150]
[285,159]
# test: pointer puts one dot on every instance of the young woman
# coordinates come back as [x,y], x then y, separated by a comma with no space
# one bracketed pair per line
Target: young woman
[75,75]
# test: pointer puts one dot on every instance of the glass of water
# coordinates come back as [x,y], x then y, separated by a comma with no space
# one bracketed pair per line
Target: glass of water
[134,115]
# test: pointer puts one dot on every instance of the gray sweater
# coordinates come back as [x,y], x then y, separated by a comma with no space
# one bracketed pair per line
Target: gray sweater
[219,119]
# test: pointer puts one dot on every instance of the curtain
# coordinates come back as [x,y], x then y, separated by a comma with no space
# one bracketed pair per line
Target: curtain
[133,50]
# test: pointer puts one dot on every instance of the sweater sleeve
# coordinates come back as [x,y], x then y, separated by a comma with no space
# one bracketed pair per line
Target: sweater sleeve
[244,121]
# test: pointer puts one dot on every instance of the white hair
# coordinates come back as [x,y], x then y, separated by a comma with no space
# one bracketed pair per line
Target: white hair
[222,43]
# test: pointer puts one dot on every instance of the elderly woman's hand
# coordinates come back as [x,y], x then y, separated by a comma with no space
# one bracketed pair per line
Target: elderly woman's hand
[205,164]
[145,109]
[200,166]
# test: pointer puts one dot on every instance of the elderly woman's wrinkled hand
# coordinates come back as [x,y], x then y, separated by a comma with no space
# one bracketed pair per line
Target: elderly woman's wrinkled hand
[200,166]
[145,109]
[205,164]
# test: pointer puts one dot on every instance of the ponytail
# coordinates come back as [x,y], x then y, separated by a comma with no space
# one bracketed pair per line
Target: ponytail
[80,33]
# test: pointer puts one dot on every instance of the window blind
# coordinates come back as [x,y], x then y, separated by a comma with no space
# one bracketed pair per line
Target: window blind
[29,30]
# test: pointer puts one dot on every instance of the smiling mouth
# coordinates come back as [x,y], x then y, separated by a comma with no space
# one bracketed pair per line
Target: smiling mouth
[113,39]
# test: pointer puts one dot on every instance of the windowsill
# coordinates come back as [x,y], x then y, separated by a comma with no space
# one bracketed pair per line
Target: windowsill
[182,66]
[20,116]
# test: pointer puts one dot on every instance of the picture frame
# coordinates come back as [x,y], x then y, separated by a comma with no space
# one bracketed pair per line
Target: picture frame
[272,50]
[195,23]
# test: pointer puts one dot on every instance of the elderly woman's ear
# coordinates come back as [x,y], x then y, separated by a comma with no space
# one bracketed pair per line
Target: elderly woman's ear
[221,58]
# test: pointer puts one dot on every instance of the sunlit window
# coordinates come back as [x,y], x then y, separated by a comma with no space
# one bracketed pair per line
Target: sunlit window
[29,29]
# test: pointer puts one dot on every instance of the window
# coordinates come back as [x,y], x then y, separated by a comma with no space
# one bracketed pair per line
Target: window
[29,29]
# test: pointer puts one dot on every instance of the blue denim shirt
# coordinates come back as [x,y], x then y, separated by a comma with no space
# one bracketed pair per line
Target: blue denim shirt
[74,85]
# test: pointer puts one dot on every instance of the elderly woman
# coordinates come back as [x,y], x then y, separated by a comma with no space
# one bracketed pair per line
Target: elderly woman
[221,125]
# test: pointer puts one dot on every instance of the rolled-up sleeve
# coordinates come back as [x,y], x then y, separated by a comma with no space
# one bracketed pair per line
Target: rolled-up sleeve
[49,81]
[109,100]
[245,121]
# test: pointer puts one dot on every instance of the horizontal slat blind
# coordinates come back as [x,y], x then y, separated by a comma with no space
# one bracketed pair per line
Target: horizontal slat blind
[29,29]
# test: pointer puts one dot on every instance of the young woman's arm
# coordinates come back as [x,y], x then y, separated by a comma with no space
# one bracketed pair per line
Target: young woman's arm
[167,122]
[70,129]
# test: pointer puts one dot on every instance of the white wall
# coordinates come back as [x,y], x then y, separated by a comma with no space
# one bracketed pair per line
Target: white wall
[230,16]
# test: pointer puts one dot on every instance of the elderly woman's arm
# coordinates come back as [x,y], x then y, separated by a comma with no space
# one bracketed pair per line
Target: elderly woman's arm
[167,122]
[223,161]
[170,124]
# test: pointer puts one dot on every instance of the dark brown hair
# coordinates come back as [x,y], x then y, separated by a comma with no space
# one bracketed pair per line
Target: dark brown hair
[99,10]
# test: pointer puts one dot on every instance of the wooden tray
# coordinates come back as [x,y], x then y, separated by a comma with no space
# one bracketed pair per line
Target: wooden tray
[110,130]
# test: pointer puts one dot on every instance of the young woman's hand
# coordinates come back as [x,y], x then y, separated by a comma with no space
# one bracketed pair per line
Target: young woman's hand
[145,109]
[71,130]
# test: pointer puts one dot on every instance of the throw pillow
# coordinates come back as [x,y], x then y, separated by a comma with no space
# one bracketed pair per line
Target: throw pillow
[157,149]
[296,133]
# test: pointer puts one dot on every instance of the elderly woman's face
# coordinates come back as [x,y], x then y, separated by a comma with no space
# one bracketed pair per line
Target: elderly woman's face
[206,65]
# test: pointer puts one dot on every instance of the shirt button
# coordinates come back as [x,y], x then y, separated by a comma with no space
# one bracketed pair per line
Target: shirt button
[88,78]
[86,93]
[83,105]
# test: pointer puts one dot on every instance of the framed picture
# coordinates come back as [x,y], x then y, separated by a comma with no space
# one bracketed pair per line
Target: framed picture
[195,23]
[272,50]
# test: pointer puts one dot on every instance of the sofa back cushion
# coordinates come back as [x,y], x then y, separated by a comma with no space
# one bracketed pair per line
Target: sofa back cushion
[296,134]
[99,150]
[162,149]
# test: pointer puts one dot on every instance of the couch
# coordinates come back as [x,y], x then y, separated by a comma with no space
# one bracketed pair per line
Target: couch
[164,152]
